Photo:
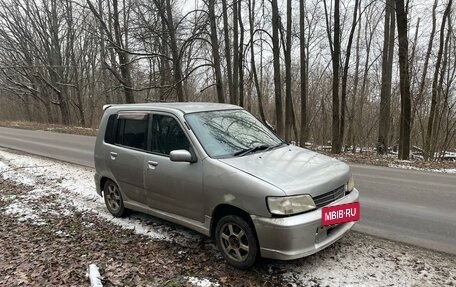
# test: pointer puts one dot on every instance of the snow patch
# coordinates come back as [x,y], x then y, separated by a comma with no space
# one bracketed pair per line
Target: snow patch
[62,233]
[93,273]
[440,170]
[74,186]
[201,282]
[360,260]
[24,213]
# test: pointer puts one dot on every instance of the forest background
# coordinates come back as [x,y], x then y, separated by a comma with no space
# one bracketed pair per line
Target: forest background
[351,74]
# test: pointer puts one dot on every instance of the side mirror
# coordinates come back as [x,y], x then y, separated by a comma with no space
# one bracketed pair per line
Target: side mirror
[181,155]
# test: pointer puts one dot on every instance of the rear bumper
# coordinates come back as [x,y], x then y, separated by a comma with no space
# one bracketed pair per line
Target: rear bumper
[301,235]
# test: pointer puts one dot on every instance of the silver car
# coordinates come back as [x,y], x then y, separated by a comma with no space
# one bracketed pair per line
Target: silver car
[216,169]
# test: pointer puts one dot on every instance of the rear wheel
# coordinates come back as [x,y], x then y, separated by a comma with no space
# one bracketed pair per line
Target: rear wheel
[113,199]
[237,241]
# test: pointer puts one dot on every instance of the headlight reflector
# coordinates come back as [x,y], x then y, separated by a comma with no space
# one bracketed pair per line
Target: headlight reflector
[289,205]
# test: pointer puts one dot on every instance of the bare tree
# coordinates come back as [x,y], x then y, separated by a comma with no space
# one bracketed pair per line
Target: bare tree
[276,59]
[387,71]
[430,135]
[335,58]
[115,39]
[236,63]
[229,69]
[404,141]
[241,54]
[215,52]
[304,76]
[289,113]
[343,101]
[252,61]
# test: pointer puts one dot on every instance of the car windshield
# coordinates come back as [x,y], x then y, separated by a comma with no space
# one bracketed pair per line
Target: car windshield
[229,133]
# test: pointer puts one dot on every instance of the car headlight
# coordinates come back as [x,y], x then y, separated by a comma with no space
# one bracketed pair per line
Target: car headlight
[350,184]
[289,205]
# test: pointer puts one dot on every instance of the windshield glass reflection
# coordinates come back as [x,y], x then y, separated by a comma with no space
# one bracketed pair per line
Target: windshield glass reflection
[229,132]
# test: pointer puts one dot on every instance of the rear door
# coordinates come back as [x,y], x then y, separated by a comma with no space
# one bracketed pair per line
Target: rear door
[174,187]
[127,153]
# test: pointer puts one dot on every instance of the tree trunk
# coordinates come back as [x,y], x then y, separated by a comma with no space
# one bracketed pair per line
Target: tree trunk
[351,120]
[288,98]
[56,70]
[215,52]
[429,50]
[123,58]
[252,61]
[429,146]
[385,92]
[440,110]
[241,56]
[304,77]
[228,52]
[104,81]
[235,54]
[404,140]
[276,64]
[175,52]
[345,75]
[335,58]
[72,55]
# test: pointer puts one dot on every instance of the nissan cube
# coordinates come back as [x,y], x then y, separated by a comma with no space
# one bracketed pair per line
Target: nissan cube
[216,169]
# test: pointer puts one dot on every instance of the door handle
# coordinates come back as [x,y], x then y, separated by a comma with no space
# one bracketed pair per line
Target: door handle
[151,164]
[113,155]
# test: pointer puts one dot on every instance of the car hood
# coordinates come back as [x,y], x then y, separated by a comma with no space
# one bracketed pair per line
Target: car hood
[294,170]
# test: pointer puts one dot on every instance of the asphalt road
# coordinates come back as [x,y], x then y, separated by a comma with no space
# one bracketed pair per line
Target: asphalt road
[414,207]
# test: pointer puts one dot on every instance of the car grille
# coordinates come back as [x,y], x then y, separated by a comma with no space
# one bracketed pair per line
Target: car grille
[329,197]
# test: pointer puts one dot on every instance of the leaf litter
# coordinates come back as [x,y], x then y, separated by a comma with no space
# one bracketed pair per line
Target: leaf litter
[54,226]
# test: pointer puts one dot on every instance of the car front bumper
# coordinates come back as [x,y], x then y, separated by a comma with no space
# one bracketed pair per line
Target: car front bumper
[301,235]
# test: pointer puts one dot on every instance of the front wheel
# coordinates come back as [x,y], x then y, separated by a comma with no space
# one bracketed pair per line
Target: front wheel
[113,199]
[237,241]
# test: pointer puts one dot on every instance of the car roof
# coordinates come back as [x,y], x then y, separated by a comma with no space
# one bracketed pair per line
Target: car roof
[184,107]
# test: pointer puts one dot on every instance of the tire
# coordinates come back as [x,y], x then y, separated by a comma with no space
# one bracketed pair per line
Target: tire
[236,240]
[113,199]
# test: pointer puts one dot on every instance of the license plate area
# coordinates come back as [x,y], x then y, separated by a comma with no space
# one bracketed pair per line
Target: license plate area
[336,214]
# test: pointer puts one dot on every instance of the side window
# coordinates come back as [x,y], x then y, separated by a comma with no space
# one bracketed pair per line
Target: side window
[132,133]
[110,129]
[167,135]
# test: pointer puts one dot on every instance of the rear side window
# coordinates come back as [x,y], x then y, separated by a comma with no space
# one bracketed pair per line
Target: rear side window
[167,135]
[131,133]
[110,134]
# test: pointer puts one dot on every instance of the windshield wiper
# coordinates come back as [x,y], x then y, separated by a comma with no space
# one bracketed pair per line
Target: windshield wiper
[243,152]
[274,146]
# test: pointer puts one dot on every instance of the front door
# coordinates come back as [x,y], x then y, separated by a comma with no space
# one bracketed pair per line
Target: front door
[173,187]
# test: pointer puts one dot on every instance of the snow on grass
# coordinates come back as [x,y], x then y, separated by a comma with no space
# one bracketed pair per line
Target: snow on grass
[11,173]
[360,260]
[24,213]
[201,282]
[440,170]
[72,184]
[22,209]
